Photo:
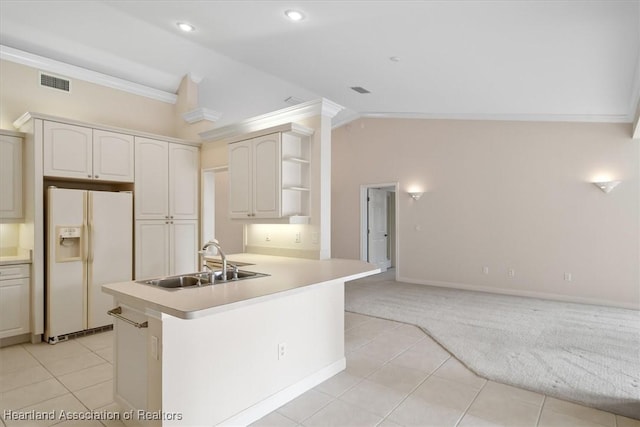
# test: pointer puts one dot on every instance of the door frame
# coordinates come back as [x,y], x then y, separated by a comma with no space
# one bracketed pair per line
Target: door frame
[205,175]
[364,225]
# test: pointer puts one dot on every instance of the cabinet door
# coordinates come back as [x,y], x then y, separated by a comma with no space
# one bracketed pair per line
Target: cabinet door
[267,176]
[10,177]
[112,156]
[151,179]
[240,163]
[183,252]
[68,151]
[152,249]
[14,307]
[184,174]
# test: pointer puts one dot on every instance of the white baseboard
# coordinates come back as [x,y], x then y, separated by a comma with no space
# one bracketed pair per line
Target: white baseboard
[519,293]
[275,401]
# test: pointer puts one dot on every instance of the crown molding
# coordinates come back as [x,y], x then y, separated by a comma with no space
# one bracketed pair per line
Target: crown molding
[200,114]
[590,118]
[317,107]
[40,62]
[345,119]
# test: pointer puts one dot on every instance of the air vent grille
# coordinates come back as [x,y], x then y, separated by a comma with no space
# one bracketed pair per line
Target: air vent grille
[360,89]
[55,82]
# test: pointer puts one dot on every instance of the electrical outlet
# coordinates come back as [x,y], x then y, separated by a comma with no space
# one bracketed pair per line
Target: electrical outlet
[314,237]
[298,237]
[282,350]
[511,272]
[268,237]
[485,270]
[568,277]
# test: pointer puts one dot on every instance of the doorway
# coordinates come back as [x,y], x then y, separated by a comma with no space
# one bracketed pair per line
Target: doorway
[378,234]
[215,212]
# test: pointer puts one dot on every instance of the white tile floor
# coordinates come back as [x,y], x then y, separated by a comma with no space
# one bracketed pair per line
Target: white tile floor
[75,376]
[395,376]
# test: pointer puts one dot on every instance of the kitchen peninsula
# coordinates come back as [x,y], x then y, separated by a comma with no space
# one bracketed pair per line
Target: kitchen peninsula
[230,353]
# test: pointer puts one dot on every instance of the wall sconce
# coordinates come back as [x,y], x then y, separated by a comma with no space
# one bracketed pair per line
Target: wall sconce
[607,186]
[415,195]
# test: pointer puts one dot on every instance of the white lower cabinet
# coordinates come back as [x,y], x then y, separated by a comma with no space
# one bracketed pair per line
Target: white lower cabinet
[14,300]
[165,248]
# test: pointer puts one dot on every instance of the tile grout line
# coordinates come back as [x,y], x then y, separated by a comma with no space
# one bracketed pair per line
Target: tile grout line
[544,400]
[53,376]
[412,390]
[333,399]
[472,401]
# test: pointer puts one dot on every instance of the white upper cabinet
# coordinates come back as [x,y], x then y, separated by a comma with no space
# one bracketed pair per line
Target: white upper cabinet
[184,177]
[167,177]
[269,175]
[112,156]
[254,178]
[79,152]
[10,177]
[240,185]
[152,179]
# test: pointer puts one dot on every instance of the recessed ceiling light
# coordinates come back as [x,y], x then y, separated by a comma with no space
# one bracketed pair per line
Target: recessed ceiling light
[394,59]
[187,28]
[294,15]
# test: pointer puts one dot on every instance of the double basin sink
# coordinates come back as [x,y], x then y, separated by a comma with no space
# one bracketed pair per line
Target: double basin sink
[196,280]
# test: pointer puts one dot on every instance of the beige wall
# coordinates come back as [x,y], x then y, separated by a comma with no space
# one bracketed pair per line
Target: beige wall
[20,92]
[506,195]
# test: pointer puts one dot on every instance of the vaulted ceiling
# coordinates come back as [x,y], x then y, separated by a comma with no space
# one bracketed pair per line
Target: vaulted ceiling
[520,60]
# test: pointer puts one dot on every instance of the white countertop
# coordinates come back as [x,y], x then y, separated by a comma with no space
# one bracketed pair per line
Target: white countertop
[22,256]
[285,275]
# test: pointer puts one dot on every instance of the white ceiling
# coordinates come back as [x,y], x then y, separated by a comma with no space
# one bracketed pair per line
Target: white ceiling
[532,60]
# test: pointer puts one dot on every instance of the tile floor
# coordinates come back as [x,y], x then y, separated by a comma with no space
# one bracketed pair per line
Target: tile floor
[395,376]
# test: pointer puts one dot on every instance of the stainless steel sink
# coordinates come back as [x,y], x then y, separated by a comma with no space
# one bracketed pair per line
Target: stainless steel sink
[196,280]
[242,274]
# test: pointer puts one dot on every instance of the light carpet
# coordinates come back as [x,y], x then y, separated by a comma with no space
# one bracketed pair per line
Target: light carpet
[583,353]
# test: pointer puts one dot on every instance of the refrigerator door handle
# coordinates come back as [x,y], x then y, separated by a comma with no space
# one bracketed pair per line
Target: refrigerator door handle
[91,231]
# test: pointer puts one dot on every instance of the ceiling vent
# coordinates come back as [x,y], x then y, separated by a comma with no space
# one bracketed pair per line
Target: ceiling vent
[359,89]
[55,82]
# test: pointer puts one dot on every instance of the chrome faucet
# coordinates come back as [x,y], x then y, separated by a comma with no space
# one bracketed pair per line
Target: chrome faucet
[223,256]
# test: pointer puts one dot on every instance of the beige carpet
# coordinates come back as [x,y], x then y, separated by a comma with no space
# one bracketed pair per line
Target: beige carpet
[582,353]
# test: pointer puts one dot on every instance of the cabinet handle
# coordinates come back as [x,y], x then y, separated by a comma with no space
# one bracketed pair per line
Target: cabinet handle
[171,217]
[166,222]
[97,176]
[89,176]
[117,313]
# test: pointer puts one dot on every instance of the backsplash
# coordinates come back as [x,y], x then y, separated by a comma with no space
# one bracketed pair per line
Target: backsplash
[9,239]
[295,240]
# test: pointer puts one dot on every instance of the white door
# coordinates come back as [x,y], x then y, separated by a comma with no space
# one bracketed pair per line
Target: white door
[151,179]
[152,249]
[112,156]
[229,233]
[110,256]
[378,228]
[66,263]
[67,151]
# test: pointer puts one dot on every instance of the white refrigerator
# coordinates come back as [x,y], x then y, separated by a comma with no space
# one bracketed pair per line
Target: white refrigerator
[89,244]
